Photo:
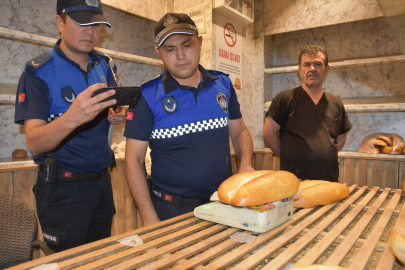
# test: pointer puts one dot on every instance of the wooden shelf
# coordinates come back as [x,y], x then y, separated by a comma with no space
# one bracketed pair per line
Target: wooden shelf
[38,39]
[344,63]
[231,13]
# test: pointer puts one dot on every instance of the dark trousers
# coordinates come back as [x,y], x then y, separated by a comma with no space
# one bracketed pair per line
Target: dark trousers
[73,213]
[167,211]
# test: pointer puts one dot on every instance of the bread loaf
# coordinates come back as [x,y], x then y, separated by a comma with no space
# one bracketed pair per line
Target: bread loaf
[396,243]
[320,192]
[258,187]
[19,153]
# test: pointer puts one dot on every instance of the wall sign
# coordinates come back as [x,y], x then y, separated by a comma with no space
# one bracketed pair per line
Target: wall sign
[198,16]
[229,50]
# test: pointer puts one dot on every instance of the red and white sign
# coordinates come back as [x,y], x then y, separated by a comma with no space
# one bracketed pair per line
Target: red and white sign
[168,198]
[230,35]
[229,49]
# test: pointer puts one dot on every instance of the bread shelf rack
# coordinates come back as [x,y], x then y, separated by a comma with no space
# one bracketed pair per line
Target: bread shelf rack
[338,64]
[352,233]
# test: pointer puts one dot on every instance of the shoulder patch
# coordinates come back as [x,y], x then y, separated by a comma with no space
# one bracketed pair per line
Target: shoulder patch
[37,62]
[217,72]
[149,81]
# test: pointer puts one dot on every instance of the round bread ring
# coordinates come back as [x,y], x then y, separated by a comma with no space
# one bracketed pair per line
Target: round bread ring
[387,139]
[379,142]
[391,150]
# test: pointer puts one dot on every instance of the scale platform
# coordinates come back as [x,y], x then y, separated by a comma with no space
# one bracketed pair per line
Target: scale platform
[243,218]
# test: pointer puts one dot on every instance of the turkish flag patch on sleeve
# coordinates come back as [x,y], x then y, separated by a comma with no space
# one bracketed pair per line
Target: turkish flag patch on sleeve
[130,115]
[21,98]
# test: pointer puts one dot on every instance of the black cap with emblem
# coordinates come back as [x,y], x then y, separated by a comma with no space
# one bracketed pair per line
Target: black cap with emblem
[82,12]
[174,23]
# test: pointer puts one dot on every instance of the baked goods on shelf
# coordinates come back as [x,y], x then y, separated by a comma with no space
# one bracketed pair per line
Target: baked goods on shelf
[386,143]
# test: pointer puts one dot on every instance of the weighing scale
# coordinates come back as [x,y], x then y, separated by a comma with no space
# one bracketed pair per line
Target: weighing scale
[244,218]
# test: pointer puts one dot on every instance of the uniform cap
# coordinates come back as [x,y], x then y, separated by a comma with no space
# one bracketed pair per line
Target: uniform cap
[82,12]
[174,23]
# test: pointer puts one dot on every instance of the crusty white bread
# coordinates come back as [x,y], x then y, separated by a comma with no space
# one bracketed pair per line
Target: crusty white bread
[396,243]
[257,187]
[320,192]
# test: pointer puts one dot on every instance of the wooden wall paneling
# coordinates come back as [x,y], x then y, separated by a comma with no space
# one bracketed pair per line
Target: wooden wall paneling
[401,173]
[360,169]
[374,173]
[341,170]
[348,171]
[389,174]
[267,161]
[117,179]
[24,187]
[234,163]
[6,183]
[258,161]
[276,163]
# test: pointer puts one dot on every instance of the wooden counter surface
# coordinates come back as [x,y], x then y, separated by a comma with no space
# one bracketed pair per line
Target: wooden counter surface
[352,233]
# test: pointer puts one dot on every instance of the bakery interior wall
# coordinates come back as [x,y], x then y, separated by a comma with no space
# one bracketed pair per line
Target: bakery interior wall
[349,29]
[364,51]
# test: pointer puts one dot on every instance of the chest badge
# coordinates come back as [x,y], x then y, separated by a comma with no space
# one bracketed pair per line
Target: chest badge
[169,104]
[222,101]
[68,95]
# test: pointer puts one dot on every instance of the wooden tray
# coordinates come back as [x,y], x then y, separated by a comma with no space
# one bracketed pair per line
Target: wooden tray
[352,233]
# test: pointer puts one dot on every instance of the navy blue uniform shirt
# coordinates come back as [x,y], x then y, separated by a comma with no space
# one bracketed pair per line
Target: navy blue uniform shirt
[187,130]
[47,88]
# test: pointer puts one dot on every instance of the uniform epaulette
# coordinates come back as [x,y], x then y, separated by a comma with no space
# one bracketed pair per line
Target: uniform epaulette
[37,62]
[105,56]
[217,72]
[157,77]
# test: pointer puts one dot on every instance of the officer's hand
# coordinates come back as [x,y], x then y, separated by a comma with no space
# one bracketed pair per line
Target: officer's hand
[116,116]
[85,107]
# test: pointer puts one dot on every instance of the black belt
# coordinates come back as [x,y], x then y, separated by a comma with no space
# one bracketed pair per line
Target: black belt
[175,199]
[69,175]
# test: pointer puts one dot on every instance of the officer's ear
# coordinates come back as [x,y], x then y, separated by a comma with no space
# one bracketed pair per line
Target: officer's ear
[59,22]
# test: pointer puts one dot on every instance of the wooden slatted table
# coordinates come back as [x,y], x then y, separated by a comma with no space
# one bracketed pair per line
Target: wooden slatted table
[352,233]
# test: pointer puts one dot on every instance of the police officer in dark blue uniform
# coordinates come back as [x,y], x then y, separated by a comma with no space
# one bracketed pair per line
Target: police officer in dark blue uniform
[67,127]
[186,117]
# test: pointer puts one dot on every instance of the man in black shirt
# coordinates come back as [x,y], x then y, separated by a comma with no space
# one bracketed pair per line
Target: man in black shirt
[305,126]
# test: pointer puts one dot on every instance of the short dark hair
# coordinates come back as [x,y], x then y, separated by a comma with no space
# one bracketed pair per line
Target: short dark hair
[313,49]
